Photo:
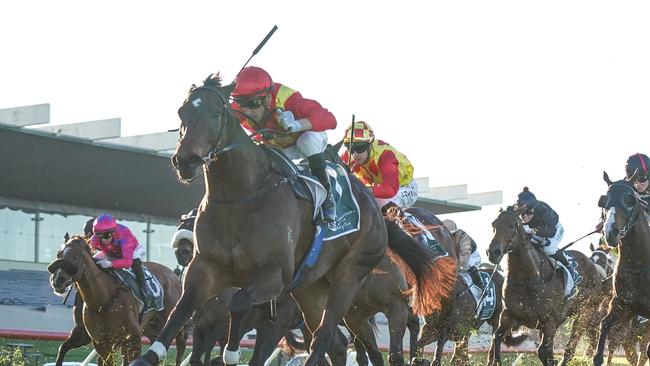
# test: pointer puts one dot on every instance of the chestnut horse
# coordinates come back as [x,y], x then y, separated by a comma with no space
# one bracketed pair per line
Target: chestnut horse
[533,294]
[252,232]
[626,226]
[111,313]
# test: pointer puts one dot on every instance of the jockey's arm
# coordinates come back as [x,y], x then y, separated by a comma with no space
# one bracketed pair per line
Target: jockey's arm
[310,114]
[548,224]
[129,243]
[389,168]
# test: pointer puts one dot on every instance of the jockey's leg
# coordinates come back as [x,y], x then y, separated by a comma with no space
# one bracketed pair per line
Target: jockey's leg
[317,167]
[476,276]
[266,285]
[201,281]
[311,144]
[139,277]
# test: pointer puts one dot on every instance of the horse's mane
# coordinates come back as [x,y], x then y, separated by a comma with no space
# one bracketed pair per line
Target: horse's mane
[213,80]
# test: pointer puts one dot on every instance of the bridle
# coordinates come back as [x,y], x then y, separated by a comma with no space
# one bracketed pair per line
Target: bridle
[633,212]
[516,232]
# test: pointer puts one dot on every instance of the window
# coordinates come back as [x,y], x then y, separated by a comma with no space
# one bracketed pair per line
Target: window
[160,249]
[52,228]
[16,235]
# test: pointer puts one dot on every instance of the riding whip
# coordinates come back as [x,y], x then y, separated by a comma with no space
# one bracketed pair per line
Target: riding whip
[259,46]
[65,299]
[580,238]
[351,141]
[487,285]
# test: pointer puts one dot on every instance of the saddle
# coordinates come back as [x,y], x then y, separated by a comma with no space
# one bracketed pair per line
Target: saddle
[155,303]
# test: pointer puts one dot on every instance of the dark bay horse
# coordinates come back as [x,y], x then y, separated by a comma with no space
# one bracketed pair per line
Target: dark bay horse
[111,311]
[626,226]
[252,233]
[464,322]
[533,293]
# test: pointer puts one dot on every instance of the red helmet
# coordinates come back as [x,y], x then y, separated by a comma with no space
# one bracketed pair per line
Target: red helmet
[104,222]
[252,82]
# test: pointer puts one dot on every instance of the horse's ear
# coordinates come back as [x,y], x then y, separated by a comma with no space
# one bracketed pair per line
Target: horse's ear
[227,90]
[66,237]
[500,209]
[591,247]
[606,178]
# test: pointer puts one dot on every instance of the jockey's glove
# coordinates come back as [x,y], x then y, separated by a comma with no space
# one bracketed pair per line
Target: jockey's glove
[529,230]
[286,119]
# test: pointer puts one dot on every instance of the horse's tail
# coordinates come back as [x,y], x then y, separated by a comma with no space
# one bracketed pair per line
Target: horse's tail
[431,280]
[514,340]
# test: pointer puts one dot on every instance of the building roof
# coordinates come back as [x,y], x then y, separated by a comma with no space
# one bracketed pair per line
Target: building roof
[43,167]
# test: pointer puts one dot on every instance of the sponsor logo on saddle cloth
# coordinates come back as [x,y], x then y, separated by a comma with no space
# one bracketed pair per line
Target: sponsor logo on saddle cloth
[426,238]
[489,303]
[347,208]
[144,305]
[569,275]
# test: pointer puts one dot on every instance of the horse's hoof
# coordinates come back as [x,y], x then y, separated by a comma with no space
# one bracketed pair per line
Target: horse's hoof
[140,361]
[231,357]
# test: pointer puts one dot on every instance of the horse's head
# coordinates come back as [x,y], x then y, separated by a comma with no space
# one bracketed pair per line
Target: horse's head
[623,207]
[507,235]
[68,267]
[204,115]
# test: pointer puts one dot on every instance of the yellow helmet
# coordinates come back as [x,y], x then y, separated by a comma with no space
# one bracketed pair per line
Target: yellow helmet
[362,133]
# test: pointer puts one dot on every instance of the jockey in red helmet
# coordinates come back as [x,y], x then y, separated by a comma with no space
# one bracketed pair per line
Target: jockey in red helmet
[380,166]
[118,248]
[263,103]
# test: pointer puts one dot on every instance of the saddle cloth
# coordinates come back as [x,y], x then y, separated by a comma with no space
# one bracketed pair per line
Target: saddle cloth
[489,303]
[155,303]
[569,280]
[347,208]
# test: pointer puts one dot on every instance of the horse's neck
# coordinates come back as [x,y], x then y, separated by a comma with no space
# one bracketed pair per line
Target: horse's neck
[239,172]
[635,246]
[96,287]
[524,263]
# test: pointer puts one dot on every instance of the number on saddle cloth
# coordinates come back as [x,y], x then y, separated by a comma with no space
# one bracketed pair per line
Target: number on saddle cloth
[128,278]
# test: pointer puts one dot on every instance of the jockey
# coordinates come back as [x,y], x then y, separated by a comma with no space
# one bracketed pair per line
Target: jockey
[468,257]
[387,172]
[264,104]
[542,223]
[118,248]
[183,239]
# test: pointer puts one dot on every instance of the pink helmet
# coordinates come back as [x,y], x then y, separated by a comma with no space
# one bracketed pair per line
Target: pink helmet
[104,222]
[252,82]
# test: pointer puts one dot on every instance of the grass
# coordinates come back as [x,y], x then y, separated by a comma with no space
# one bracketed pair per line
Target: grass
[45,351]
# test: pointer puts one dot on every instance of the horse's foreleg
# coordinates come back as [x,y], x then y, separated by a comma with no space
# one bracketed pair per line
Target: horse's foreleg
[181,343]
[461,355]
[270,333]
[266,285]
[615,312]
[545,349]
[200,283]
[506,324]
[577,330]
[78,338]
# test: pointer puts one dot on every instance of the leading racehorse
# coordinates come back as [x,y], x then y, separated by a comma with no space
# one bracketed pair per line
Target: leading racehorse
[626,226]
[251,232]
[533,293]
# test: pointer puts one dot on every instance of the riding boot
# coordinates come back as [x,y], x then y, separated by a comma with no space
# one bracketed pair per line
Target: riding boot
[561,257]
[317,167]
[475,276]
[139,278]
